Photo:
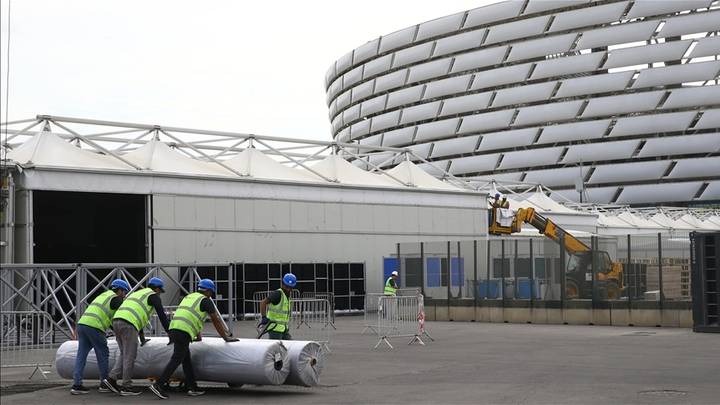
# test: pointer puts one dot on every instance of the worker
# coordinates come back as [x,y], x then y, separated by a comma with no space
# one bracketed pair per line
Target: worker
[496,201]
[91,330]
[128,324]
[275,309]
[504,203]
[391,284]
[186,327]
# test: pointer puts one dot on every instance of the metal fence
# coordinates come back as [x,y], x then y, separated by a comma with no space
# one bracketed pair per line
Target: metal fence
[310,320]
[651,268]
[29,339]
[400,316]
[330,297]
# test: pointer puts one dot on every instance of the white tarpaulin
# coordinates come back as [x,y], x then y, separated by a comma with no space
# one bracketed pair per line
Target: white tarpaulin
[249,361]
[639,222]
[338,169]
[254,163]
[409,173]
[306,362]
[157,156]
[48,149]
[668,222]
[547,204]
[693,222]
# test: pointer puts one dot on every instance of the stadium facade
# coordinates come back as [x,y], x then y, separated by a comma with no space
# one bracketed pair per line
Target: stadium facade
[613,102]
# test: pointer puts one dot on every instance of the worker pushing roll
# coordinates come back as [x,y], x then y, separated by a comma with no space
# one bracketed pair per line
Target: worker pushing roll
[391,286]
[275,309]
[91,329]
[128,323]
[186,327]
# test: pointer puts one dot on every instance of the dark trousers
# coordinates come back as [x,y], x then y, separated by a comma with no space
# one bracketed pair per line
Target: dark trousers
[90,338]
[181,355]
[279,335]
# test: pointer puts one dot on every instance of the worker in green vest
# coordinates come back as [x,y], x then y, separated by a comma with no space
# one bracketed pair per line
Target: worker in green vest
[91,329]
[128,323]
[391,284]
[275,309]
[186,327]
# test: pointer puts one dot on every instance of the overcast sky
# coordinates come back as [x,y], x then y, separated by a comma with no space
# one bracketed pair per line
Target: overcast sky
[229,65]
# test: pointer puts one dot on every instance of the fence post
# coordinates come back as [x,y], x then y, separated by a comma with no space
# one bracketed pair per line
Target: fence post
[487,270]
[660,269]
[629,256]
[562,271]
[532,274]
[422,268]
[475,280]
[593,270]
[502,271]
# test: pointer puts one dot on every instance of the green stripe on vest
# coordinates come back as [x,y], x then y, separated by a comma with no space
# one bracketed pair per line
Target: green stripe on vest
[389,289]
[279,314]
[98,314]
[188,317]
[135,309]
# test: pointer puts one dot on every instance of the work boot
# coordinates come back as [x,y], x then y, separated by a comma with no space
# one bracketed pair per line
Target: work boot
[195,392]
[78,390]
[128,391]
[158,391]
[109,385]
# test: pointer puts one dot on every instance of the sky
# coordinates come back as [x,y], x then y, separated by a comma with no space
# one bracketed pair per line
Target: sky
[253,67]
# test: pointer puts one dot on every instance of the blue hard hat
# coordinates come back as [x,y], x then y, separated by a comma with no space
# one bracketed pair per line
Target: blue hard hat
[290,280]
[121,284]
[156,282]
[206,284]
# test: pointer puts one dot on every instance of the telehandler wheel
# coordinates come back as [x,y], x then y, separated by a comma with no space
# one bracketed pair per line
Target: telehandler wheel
[572,291]
[613,290]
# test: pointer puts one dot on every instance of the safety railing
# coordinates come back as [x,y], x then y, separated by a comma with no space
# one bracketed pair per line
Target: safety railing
[29,339]
[370,314]
[401,316]
[330,297]
[310,320]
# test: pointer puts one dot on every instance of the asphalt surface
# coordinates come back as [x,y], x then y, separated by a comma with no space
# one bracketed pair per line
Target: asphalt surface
[474,363]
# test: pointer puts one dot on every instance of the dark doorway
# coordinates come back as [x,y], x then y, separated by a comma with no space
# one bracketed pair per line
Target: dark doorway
[74,227]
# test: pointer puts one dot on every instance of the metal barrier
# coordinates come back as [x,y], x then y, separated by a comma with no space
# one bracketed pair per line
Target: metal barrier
[330,297]
[29,339]
[259,296]
[310,320]
[370,313]
[401,316]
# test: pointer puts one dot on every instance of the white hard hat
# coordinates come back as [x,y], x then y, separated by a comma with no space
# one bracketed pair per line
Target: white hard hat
[394,273]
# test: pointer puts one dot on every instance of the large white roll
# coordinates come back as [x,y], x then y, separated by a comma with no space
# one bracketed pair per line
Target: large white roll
[249,361]
[306,362]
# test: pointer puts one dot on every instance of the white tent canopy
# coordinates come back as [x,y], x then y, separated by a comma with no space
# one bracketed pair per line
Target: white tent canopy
[412,175]
[340,170]
[254,163]
[157,156]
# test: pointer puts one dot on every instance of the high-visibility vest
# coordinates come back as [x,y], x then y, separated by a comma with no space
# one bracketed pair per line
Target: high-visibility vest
[188,317]
[98,314]
[389,289]
[279,314]
[135,308]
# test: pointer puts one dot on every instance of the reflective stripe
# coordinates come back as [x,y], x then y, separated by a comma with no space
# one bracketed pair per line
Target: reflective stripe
[389,289]
[188,317]
[135,308]
[98,314]
[279,314]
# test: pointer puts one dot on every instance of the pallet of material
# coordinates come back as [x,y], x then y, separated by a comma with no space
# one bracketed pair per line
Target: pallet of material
[676,281]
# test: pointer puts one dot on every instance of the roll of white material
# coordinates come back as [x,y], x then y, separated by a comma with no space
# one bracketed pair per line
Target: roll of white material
[249,361]
[306,362]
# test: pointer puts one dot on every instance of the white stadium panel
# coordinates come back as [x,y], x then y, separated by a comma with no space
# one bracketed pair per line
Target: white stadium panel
[496,77]
[512,176]
[556,177]
[374,140]
[712,192]
[709,119]
[473,164]
[687,73]
[626,172]
[645,8]
[548,112]
[691,23]
[622,104]
[516,29]
[343,100]
[420,112]
[451,85]
[600,195]
[460,42]
[617,34]
[576,131]
[455,146]
[530,158]
[377,66]
[329,75]
[366,51]
[390,81]
[492,13]
[437,129]
[343,135]
[709,46]
[362,90]
[440,26]
[478,59]
[332,109]
[700,167]
[397,137]
[681,145]
[413,54]
[436,168]
[359,129]
[405,96]
[422,150]
[584,17]
[655,193]
[344,62]
[352,77]
[536,6]
[335,88]
[567,65]
[693,96]
[471,102]
[594,84]
[600,151]
[428,70]
[508,139]
[541,47]
[650,124]
[523,94]
[387,120]
[397,39]
[337,122]
[487,121]
[375,104]
[647,54]
[351,114]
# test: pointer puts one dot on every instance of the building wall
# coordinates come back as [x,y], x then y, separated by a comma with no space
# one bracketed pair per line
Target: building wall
[623,95]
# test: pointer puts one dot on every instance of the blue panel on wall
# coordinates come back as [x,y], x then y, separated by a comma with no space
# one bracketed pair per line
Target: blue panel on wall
[433,272]
[457,271]
[390,264]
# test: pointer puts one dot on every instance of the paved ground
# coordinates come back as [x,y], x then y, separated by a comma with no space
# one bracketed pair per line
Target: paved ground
[472,363]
